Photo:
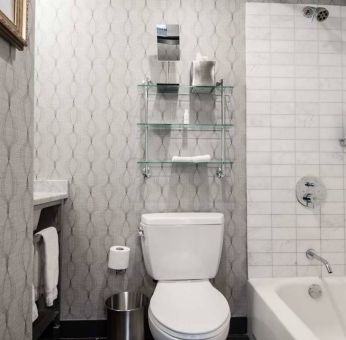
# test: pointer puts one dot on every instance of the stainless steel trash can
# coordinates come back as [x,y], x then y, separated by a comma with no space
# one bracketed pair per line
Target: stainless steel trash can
[126,315]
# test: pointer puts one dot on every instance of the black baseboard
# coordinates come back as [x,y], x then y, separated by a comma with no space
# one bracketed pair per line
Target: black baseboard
[98,328]
[83,329]
[238,325]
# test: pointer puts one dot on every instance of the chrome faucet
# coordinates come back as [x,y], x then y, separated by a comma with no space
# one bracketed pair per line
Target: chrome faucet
[312,255]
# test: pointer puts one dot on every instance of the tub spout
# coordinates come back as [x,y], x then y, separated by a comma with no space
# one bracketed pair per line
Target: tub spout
[311,254]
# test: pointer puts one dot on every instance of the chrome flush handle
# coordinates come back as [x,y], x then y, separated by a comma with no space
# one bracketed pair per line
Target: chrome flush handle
[141,231]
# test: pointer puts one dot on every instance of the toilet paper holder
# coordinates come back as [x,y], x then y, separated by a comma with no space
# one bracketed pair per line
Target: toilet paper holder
[118,258]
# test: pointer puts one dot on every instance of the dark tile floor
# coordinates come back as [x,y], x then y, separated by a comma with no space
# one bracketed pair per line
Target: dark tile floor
[235,337]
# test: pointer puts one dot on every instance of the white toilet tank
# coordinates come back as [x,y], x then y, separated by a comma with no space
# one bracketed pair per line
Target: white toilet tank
[182,246]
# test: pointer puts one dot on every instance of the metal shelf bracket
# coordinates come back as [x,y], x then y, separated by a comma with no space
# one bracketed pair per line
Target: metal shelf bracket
[220,173]
[146,172]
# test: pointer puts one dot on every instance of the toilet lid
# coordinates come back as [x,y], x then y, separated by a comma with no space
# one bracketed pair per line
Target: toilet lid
[189,307]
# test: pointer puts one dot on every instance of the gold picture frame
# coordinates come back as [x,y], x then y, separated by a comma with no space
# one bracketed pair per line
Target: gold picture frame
[14,29]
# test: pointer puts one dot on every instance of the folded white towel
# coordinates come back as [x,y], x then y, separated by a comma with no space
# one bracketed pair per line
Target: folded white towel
[34,307]
[201,158]
[51,263]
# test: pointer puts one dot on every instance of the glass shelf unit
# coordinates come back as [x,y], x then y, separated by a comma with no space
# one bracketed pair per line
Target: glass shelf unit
[220,90]
[168,162]
[177,126]
[153,89]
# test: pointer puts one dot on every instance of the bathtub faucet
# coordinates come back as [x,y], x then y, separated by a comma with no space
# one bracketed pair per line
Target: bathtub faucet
[311,254]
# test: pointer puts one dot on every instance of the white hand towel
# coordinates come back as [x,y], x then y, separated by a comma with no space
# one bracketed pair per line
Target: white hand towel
[182,159]
[34,307]
[201,158]
[38,269]
[51,263]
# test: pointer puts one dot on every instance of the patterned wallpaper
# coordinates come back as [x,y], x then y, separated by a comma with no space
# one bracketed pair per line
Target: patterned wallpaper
[16,146]
[90,55]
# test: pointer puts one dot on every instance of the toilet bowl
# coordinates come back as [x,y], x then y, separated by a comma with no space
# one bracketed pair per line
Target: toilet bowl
[182,252]
[188,310]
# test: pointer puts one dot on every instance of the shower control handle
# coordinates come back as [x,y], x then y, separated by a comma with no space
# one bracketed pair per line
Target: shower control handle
[310,192]
[308,199]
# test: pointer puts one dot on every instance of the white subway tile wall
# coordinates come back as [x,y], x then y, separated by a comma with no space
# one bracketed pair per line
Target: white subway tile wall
[296,96]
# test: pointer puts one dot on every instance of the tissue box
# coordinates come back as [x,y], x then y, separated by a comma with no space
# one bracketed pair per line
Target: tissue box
[203,73]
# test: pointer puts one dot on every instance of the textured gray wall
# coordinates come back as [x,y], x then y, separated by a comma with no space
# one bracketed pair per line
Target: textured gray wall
[90,56]
[16,147]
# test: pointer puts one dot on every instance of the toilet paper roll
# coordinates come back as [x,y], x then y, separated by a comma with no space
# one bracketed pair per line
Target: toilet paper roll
[118,258]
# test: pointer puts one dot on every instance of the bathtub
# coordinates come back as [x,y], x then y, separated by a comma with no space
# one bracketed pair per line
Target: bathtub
[282,309]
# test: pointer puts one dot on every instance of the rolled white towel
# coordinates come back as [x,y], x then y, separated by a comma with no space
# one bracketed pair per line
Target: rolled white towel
[182,159]
[201,158]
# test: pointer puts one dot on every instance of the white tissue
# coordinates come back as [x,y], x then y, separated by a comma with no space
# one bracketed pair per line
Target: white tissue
[202,71]
[200,57]
[118,258]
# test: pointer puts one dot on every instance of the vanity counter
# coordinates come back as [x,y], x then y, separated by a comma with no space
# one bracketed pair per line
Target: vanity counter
[48,197]
[49,191]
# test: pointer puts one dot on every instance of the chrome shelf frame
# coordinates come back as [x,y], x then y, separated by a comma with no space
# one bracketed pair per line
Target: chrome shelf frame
[219,90]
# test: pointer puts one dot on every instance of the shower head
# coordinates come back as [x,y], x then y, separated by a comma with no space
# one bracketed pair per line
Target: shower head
[320,13]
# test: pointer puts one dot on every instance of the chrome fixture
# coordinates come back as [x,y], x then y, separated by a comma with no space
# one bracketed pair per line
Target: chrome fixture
[141,231]
[312,255]
[343,142]
[320,13]
[310,192]
[168,42]
[315,291]
[220,173]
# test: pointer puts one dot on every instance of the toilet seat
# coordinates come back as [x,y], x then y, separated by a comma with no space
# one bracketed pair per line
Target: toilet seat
[189,310]
[160,332]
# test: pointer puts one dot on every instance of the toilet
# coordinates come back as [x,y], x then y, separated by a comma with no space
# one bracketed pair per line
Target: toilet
[182,252]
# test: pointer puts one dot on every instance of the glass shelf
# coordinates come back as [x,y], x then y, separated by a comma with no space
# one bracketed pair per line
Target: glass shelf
[185,89]
[177,126]
[169,162]
[223,92]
